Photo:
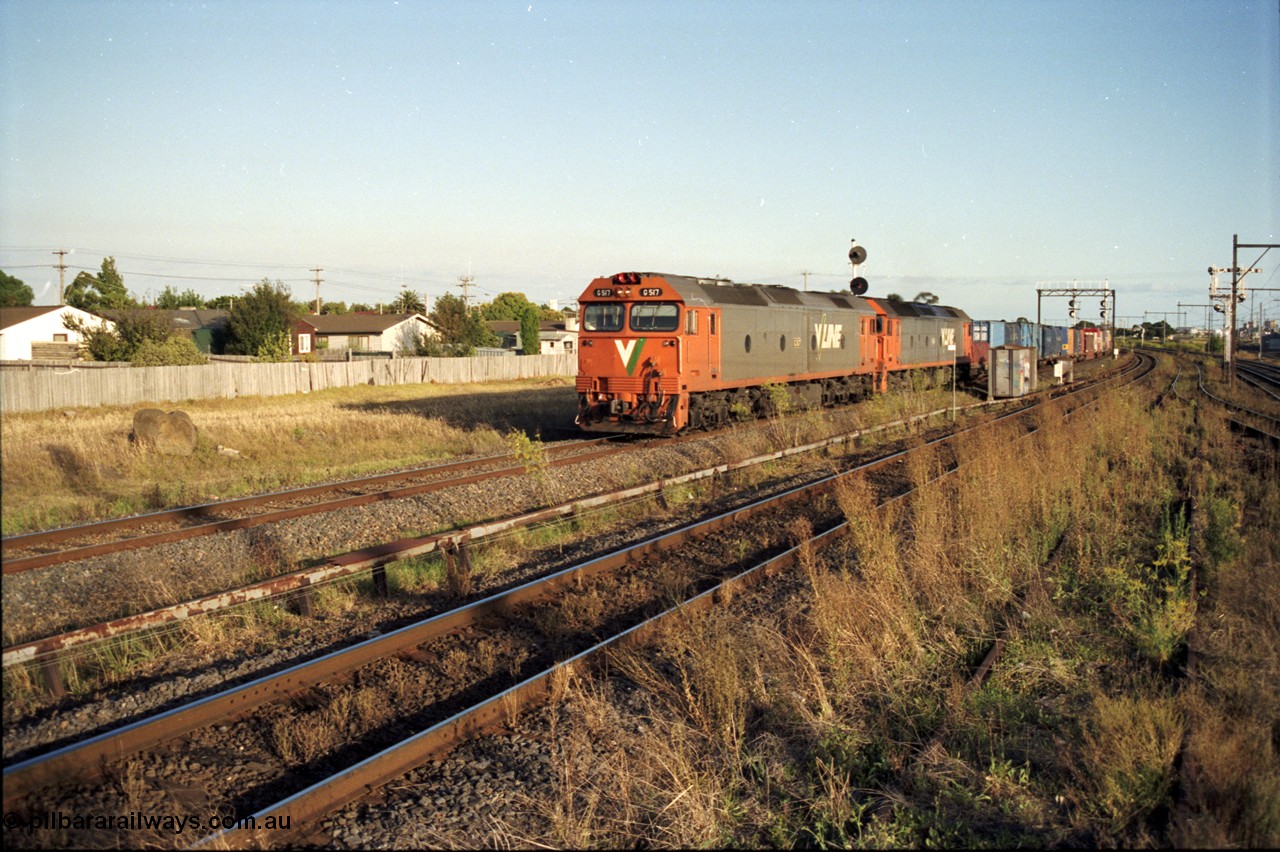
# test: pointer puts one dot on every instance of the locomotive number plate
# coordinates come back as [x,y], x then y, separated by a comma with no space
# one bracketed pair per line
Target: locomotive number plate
[603,293]
[650,291]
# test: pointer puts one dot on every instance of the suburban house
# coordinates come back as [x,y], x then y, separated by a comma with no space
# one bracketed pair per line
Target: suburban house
[362,332]
[206,327]
[38,332]
[553,337]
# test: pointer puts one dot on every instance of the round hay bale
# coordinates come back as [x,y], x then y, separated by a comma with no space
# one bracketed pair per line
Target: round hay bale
[171,434]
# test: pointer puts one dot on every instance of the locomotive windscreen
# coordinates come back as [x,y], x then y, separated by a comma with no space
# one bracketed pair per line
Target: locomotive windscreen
[654,316]
[602,316]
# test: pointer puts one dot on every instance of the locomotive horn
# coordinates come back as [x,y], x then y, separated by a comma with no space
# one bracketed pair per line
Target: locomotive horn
[857,255]
[858,285]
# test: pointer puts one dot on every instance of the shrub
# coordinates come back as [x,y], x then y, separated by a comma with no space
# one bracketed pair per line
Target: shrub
[171,352]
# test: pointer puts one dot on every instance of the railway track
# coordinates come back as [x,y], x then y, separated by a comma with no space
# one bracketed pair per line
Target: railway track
[1262,375]
[233,720]
[27,552]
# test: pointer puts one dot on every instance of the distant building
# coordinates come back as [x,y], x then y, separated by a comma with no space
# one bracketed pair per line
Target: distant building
[38,332]
[397,333]
[554,338]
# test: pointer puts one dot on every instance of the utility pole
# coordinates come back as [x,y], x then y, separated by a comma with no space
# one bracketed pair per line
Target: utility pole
[1237,295]
[806,275]
[1164,321]
[317,270]
[61,266]
[464,281]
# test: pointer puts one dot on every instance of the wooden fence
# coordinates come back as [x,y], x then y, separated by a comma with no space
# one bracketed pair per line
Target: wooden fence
[71,386]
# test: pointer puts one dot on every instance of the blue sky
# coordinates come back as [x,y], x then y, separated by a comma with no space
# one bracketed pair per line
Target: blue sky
[976,149]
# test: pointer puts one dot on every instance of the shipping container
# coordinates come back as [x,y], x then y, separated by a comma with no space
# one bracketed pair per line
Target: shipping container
[1013,371]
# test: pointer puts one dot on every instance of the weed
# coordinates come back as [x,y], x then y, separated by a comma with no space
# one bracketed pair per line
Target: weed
[1129,745]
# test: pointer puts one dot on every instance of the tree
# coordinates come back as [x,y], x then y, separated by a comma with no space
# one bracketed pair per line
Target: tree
[134,329]
[260,320]
[334,308]
[549,315]
[408,303]
[104,290]
[170,299]
[926,297]
[461,331]
[529,342]
[359,307]
[13,293]
[507,307]
[220,303]
[895,297]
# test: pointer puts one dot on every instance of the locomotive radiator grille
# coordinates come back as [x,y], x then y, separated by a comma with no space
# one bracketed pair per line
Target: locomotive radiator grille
[623,384]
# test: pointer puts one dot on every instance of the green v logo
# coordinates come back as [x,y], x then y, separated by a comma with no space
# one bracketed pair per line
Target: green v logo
[629,352]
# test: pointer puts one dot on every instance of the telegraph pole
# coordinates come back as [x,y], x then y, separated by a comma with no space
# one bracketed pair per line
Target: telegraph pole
[464,281]
[806,275]
[317,270]
[61,266]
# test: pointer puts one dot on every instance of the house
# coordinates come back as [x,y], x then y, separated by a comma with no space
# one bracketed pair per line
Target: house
[553,337]
[207,328]
[559,337]
[363,332]
[38,332]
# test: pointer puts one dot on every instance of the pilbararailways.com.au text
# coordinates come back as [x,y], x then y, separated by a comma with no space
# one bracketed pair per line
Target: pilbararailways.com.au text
[137,821]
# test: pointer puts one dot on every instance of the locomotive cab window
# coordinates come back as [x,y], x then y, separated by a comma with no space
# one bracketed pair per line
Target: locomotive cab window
[602,316]
[655,316]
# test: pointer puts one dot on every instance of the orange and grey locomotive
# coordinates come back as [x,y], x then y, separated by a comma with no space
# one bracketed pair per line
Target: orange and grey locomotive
[659,354]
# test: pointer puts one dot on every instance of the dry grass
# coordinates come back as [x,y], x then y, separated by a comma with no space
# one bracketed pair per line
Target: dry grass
[60,470]
[805,723]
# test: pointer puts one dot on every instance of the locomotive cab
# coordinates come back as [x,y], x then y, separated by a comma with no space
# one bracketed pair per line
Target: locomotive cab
[630,355]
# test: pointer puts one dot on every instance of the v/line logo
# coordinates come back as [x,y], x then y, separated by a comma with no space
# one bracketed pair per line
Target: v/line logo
[829,334]
[629,352]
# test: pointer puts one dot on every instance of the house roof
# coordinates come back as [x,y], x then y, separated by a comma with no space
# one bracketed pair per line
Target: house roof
[13,316]
[356,323]
[182,318]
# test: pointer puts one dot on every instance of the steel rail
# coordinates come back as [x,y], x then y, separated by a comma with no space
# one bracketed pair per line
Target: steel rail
[1262,379]
[87,758]
[1242,409]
